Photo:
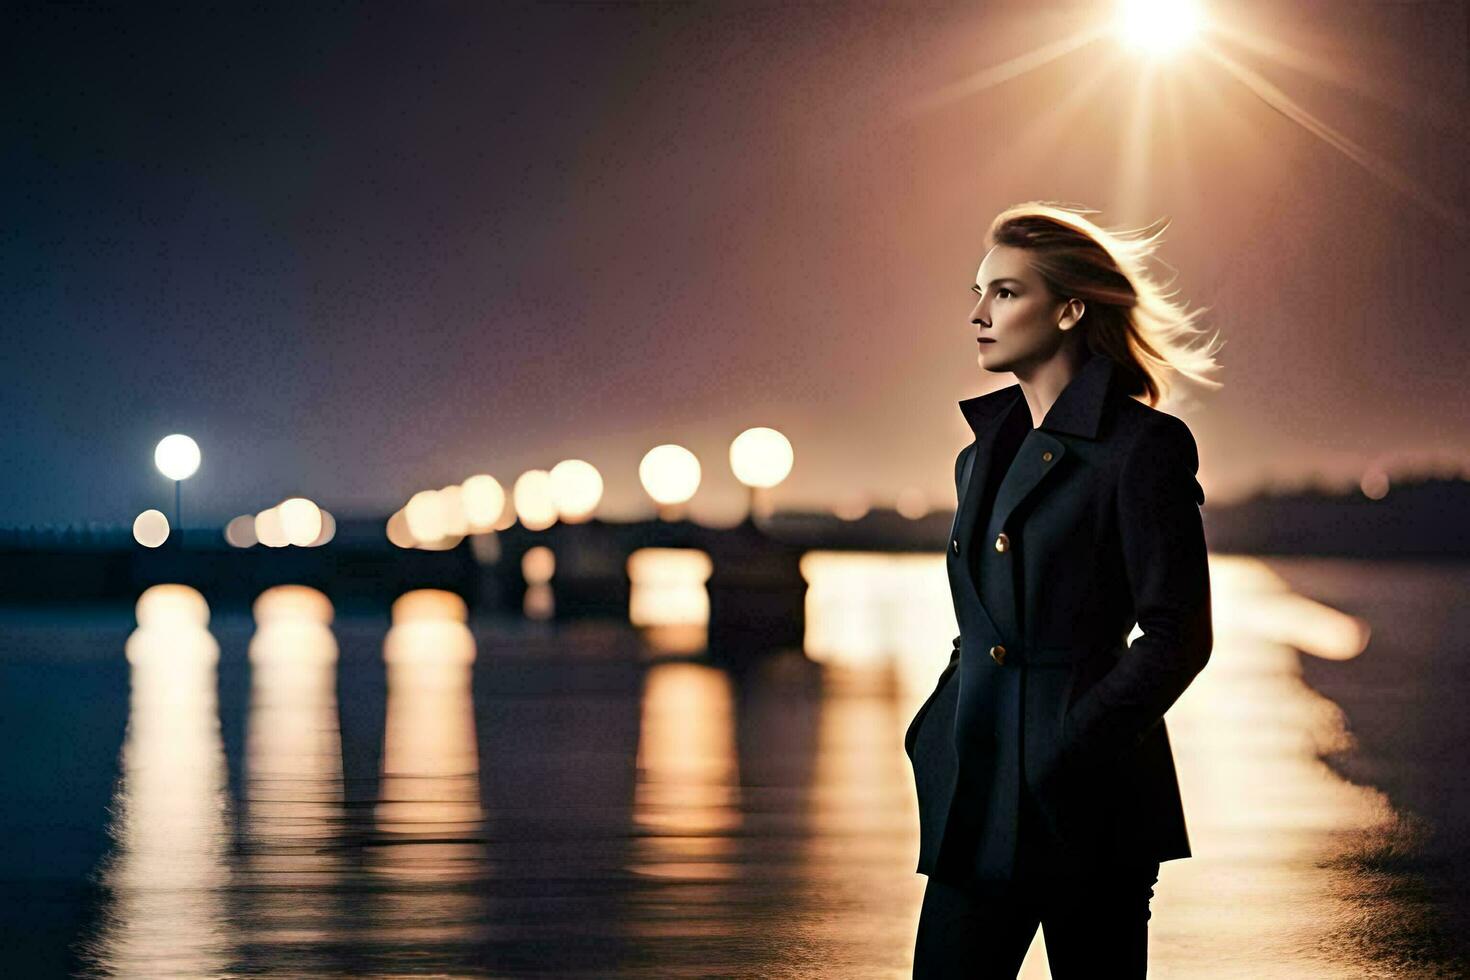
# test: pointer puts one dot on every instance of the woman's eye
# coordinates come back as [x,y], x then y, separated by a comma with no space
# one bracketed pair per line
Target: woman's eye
[1003,291]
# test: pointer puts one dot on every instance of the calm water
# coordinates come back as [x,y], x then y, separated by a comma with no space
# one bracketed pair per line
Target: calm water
[514,800]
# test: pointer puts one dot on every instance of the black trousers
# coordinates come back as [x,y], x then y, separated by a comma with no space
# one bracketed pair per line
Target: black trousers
[1094,920]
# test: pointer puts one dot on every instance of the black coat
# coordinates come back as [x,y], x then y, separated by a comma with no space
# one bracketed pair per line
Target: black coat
[1095,528]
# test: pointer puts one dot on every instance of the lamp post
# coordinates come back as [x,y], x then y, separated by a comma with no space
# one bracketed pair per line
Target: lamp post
[177,457]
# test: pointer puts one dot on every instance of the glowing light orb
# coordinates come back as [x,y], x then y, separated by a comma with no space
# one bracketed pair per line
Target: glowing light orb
[176,456]
[1374,483]
[538,564]
[912,503]
[150,528]
[292,603]
[270,530]
[428,605]
[668,587]
[1158,27]
[669,474]
[761,457]
[397,531]
[329,529]
[426,518]
[171,605]
[576,489]
[451,505]
[301,520]
[852,507]
[534,503]
[240,532]
[483,499]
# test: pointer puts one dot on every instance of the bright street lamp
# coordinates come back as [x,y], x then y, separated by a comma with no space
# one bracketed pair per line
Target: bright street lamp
[177,457]
[760,458]
[670,474]
[1159,27]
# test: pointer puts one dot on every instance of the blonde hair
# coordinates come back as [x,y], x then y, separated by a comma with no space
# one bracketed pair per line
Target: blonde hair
[1128,317]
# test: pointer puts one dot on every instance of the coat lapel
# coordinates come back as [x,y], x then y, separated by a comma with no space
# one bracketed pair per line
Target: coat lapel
[1077,412]
[988,410]
[1026,475]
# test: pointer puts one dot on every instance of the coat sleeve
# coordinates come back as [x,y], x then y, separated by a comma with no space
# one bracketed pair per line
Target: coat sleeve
[1168,579]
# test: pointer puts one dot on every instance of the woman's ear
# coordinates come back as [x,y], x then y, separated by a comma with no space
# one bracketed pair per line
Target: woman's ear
[1072,314]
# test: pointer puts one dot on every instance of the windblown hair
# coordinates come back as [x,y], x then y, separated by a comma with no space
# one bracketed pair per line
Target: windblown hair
[1128,317]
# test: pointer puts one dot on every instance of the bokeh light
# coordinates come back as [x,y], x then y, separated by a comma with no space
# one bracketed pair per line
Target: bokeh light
[171,605]
[428,650]
[761,457]
[447,543]
[428,605]
[398,532]
[301,520]
[269,528]
[912,503]
[486,547]
[670,474]
[150,528]
[451,506]
[576,489]
[176,456]
[1374,483]
[292,603]
[329,529]
[538,564]
[483,499]
[240,532]
[534,504]
[854,506]
[668,588]
[425,515]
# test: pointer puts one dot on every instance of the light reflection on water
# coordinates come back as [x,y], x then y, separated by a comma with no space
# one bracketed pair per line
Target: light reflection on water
[871,610]
[291,807]
[668,598]
[428,818]
[756,823]
[170,867]
[429,832]
[687,807]
[1267,816]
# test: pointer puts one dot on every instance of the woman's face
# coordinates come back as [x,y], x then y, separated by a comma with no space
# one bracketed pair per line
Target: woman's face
[1017,320]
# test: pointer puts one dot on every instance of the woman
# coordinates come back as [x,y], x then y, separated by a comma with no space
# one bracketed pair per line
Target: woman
[1046,784]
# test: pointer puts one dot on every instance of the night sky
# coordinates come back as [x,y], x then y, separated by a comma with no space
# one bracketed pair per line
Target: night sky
[361,250]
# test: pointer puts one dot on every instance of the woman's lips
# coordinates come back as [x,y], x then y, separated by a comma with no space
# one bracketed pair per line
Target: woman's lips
[984,340]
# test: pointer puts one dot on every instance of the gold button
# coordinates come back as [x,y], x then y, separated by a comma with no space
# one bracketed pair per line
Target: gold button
[998,654]
[1002,542]
[1046,456]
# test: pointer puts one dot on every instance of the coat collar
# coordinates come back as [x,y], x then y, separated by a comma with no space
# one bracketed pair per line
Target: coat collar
[1077,410]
